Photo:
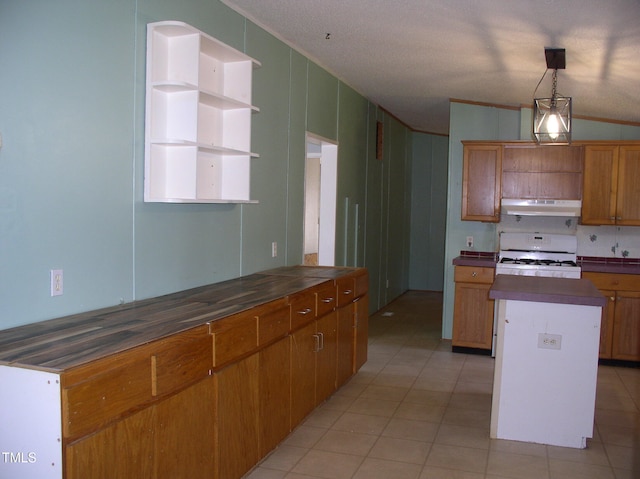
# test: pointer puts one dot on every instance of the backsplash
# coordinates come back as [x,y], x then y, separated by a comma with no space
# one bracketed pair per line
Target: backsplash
[604,241]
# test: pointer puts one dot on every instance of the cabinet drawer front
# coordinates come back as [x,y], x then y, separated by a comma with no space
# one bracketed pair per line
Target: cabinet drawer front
[471,274]
[303,308]
[346,290]
[273,325]
[181,360]
[325,298]
[91,404]
[234,337]
[617,282]
[362,284]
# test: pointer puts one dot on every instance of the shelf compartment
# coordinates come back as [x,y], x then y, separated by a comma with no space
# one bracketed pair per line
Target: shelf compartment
[175,54]
[174,114]
[225,128]
[171,173]
[221,177]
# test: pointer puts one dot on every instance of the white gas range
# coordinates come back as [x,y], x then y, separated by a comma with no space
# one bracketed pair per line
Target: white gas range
[538,254]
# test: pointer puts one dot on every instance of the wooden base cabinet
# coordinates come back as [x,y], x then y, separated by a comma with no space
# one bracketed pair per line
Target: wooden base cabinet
[620,330]
[327,356]
[170,439]
[362,332]
[274,419]
[472,309]
[346,343]
[237,408]
[313,365]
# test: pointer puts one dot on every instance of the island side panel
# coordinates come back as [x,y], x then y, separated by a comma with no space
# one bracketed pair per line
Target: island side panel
[546,372]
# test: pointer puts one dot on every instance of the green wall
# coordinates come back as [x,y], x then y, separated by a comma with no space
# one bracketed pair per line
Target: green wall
[428,211]
[71,164]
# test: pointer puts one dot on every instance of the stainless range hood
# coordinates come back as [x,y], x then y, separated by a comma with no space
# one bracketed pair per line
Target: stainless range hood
[526,207]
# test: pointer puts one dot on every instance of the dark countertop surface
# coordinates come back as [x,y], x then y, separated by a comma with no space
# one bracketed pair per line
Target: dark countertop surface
[63,343]
[610,265]
[546,290]
[587,263]
[478,259]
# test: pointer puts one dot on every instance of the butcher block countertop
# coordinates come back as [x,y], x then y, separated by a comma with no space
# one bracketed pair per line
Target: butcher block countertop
[59,344]
[546,290]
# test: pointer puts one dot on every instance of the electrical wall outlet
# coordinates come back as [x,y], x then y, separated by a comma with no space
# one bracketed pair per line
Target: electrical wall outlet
[274,249]
[549,341]
[469,241]
[57,283]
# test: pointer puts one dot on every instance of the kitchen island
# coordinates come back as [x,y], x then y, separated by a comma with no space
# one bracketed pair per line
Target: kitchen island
[548,332]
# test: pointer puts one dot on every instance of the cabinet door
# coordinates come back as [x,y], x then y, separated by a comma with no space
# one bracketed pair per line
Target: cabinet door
[600,184]
[236,434]
[362,331]
[481,182]
[327,358]
[124,449]
[184,434]
[626,327]
[346,343]
[275,395]
[606,324]
[472,316]
[304,343]
[628,197]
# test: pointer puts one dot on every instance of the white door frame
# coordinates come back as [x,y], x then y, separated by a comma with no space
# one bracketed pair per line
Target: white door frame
[328,194]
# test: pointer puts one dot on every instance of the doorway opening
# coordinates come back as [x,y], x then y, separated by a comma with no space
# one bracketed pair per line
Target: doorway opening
[320,187]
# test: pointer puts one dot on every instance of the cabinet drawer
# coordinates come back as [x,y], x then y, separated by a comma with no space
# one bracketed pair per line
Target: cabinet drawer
[303,307]
[362,284]
[107,395]
[617,282]
[273,325]
[325,298]
[234,337]
[346,290]
[471,274]
[181,360]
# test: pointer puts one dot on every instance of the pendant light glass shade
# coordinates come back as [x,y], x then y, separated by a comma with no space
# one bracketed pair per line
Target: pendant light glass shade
[552,116]
[552,120]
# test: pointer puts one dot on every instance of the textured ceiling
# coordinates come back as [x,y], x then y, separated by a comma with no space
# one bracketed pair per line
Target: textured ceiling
[411,56]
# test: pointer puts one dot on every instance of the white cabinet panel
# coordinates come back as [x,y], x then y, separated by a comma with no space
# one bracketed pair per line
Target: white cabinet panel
[30,424]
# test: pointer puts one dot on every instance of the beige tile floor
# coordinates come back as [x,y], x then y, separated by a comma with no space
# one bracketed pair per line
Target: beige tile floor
[418,411]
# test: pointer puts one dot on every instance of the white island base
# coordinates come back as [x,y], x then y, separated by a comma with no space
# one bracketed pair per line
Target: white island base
[545,373]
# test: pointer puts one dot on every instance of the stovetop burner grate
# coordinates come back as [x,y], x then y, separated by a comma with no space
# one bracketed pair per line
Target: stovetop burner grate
[538,262]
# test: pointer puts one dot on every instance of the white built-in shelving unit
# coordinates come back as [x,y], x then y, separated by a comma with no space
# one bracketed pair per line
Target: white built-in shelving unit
[198,117]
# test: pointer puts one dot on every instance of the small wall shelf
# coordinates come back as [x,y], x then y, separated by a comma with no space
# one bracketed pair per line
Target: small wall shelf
[198,117]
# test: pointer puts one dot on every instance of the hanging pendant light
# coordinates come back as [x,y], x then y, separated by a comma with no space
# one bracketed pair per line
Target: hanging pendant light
[552,116]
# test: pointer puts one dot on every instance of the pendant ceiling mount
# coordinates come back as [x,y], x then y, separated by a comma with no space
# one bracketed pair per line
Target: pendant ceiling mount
[552,116]
[556,59]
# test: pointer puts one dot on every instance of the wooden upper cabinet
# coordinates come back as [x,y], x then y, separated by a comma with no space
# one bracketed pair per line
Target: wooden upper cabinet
[611,185]
[600,184]
[628,197]
[481,182]
[542,172]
